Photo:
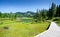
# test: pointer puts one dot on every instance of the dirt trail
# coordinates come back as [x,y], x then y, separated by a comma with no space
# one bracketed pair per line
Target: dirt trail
[53,31]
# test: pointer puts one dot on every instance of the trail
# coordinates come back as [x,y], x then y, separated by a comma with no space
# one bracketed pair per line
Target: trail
[53,31]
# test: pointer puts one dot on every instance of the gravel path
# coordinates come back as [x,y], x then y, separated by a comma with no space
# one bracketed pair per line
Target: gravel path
[53,31]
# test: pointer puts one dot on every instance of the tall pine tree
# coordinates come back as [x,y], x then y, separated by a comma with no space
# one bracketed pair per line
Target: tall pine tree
[58,11]
[52,11]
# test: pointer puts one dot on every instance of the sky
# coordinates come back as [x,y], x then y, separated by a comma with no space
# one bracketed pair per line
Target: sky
[25,5]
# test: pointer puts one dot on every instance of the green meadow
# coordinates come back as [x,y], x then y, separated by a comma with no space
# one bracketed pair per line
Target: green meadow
[24,28]
[29,23]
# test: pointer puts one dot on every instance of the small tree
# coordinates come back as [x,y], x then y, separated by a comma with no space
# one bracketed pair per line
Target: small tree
[36,16]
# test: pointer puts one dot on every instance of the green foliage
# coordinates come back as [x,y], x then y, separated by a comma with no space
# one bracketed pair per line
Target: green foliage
[42,15]
[52,11]
[39,16]
[0,14]
[58,11]
[36,16]
[20,29]
[23,29]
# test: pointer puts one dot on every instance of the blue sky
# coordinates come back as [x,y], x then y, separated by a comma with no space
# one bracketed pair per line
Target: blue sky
[25,5]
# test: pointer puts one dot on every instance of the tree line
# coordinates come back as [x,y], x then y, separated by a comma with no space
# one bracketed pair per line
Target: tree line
[38,16]
[52,12]
[16,14]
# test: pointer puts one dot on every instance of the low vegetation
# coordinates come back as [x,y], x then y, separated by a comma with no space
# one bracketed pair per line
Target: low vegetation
[10,28]
[27,24]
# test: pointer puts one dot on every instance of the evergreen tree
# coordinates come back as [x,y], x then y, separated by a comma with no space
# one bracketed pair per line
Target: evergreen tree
[36,16]
[52,11]
[58,11]
[0,14]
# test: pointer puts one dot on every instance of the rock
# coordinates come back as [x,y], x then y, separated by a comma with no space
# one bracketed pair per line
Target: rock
[5,28]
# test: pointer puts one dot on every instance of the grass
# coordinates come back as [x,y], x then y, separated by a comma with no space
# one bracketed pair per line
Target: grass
[20,29]
[57,20]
